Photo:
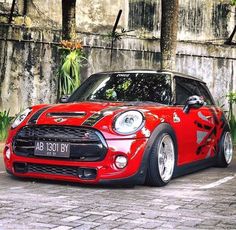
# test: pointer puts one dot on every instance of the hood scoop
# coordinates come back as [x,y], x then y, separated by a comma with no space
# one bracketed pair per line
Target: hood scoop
[66,114]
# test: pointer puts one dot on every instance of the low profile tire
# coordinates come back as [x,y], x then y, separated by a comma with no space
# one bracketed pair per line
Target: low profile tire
[225,154]
[162,159]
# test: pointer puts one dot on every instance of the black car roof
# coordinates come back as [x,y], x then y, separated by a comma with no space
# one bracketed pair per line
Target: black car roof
[153,71]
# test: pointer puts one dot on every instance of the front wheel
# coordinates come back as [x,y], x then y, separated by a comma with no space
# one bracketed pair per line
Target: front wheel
[225,154]
[162,159]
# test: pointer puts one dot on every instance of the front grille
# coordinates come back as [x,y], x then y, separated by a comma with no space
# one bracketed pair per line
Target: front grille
[86,144]
[54,170]
[78,172]
[59,133]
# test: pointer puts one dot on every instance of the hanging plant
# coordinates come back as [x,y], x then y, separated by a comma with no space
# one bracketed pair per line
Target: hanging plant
[69,70]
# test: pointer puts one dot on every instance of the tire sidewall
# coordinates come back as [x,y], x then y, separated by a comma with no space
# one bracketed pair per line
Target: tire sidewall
[221,161]
[153,169]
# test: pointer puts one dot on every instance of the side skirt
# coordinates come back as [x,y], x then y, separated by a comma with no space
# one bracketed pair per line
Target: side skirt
[194,167]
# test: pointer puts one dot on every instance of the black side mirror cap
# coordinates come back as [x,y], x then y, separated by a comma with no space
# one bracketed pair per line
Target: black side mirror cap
[193,102]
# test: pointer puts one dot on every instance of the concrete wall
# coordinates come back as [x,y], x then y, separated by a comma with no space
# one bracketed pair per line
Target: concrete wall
[198,19]
[27,68]
[215,64]
[29,57]
[29,60]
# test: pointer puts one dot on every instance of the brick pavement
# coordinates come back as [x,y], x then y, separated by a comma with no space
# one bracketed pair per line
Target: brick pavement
[185,203]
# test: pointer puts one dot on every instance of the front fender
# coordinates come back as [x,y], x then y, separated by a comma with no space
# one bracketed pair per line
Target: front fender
[145,160]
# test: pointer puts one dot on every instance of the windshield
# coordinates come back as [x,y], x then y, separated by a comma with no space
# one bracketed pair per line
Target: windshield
[125,87]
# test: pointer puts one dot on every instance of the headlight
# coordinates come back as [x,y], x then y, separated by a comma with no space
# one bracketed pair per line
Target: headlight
[128,122]
[21,118]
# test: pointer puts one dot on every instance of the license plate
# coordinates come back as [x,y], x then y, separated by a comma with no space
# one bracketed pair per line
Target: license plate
[52,149]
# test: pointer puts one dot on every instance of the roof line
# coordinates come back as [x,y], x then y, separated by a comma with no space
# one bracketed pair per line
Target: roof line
[167,71]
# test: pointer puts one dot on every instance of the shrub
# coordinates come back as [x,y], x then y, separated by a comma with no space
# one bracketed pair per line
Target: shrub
[231,117]
[5,121]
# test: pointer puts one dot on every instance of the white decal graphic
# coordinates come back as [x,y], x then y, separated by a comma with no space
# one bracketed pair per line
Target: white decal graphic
[176,118]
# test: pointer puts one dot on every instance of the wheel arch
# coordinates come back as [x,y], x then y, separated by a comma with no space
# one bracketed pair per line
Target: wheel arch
[147,151]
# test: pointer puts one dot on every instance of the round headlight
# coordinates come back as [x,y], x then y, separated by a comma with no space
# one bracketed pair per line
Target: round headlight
[21,118]
[128,122]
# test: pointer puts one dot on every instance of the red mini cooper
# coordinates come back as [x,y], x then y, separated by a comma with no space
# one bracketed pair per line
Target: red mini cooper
[131,127]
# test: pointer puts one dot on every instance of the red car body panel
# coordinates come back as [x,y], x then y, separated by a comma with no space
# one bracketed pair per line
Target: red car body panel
[197,135]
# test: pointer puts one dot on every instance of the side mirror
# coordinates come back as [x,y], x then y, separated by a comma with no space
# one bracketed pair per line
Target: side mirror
[64,99]
[193,102]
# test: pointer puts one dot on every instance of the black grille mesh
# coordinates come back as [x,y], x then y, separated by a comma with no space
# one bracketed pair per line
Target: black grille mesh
[85,144]
[58,133]
[52,169]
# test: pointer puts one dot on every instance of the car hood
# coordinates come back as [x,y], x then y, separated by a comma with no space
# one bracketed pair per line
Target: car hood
[98,115]
[74,113]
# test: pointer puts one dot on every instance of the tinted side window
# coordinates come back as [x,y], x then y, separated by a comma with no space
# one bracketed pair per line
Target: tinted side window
[205,94]
[184,89]
[187,87]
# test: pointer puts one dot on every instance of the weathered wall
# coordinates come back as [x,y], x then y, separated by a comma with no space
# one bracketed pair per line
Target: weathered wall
[205,20]
[29,57]
[198,19]
[27,69]
[29,60]
[215,64]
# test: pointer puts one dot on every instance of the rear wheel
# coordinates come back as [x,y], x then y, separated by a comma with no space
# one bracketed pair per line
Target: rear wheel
[225,154]
[162,158]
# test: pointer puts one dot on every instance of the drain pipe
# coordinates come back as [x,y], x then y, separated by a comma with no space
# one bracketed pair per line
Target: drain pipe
[113,34]
[12,11]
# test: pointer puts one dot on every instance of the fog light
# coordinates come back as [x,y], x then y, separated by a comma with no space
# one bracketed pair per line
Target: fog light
[121,162]
[8,153]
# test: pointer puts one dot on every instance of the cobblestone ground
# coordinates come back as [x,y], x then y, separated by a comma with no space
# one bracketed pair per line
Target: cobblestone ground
[203,200]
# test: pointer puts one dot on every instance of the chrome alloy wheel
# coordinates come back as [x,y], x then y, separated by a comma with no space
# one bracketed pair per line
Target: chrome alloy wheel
[228,148]
[166,158]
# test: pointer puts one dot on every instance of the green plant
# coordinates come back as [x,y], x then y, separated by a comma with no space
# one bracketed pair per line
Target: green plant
[5,121]
[69,70]
[231,117]
[115,36]
[118,35]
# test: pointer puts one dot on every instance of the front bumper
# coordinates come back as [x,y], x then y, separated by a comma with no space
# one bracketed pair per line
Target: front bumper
[103,171]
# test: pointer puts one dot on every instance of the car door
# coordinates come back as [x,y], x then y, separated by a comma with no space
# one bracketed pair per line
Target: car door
[209,125]
[195,129]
